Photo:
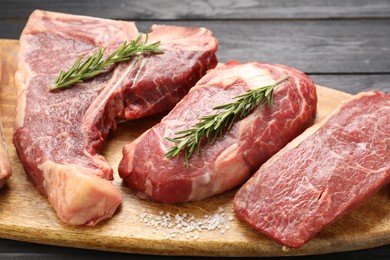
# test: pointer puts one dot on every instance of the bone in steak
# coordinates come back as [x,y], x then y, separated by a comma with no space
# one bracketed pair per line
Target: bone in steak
[321,175]
[230,160]
[58,134]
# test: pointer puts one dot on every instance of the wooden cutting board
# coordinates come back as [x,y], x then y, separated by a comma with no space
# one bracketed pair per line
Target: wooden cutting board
[26,215]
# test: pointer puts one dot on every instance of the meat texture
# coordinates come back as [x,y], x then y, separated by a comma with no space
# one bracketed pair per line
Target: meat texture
[58,134]
[5,165]
[232,159]
[323,174]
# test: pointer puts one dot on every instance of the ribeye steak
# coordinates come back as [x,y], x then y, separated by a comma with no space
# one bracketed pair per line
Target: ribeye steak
[321,175]
[232,159]
[58,134]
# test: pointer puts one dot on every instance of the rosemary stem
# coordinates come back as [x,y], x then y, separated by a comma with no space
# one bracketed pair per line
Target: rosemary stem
[95,64]
[213,126]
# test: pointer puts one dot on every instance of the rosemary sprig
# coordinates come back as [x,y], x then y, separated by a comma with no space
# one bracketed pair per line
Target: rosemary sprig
[95,64]
[213,126]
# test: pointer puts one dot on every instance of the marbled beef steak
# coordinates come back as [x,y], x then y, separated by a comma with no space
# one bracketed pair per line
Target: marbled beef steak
[323,174]
[58,134]
[231,160]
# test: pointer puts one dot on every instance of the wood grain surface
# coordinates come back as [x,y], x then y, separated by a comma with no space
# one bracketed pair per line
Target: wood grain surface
[26,215]
[205,9]
[315,46]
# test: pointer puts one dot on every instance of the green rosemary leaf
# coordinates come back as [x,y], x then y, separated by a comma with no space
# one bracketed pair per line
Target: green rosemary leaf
[92,74]
[172,140]
[95,64]
[211,127]
[69,82]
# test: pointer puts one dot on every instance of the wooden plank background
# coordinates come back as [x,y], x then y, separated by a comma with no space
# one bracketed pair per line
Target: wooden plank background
[341,44]
[205,9]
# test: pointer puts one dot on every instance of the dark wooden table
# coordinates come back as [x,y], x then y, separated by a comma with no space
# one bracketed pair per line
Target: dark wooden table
[344,45]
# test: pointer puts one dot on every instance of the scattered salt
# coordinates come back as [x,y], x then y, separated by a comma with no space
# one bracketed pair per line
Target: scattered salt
[184,225]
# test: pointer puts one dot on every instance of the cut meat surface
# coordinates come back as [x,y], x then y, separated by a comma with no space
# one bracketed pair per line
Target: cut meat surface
[321,175]
[5,165]
[58,135]
[232,159]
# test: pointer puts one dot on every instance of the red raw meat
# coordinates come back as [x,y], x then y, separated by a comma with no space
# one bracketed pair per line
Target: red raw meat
[321,175]
[5,165]
[230,161]
[58,134]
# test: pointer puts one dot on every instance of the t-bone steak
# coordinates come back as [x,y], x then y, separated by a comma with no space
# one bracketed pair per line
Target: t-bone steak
[321,175]
[58,134]
[231,160]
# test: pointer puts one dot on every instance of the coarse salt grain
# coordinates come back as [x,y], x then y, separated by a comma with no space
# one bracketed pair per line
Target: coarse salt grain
[183,225]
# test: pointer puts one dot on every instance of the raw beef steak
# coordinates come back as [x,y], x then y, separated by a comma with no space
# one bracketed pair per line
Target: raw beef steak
[58,134]
[5,165]
[233,159]
[326,172]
